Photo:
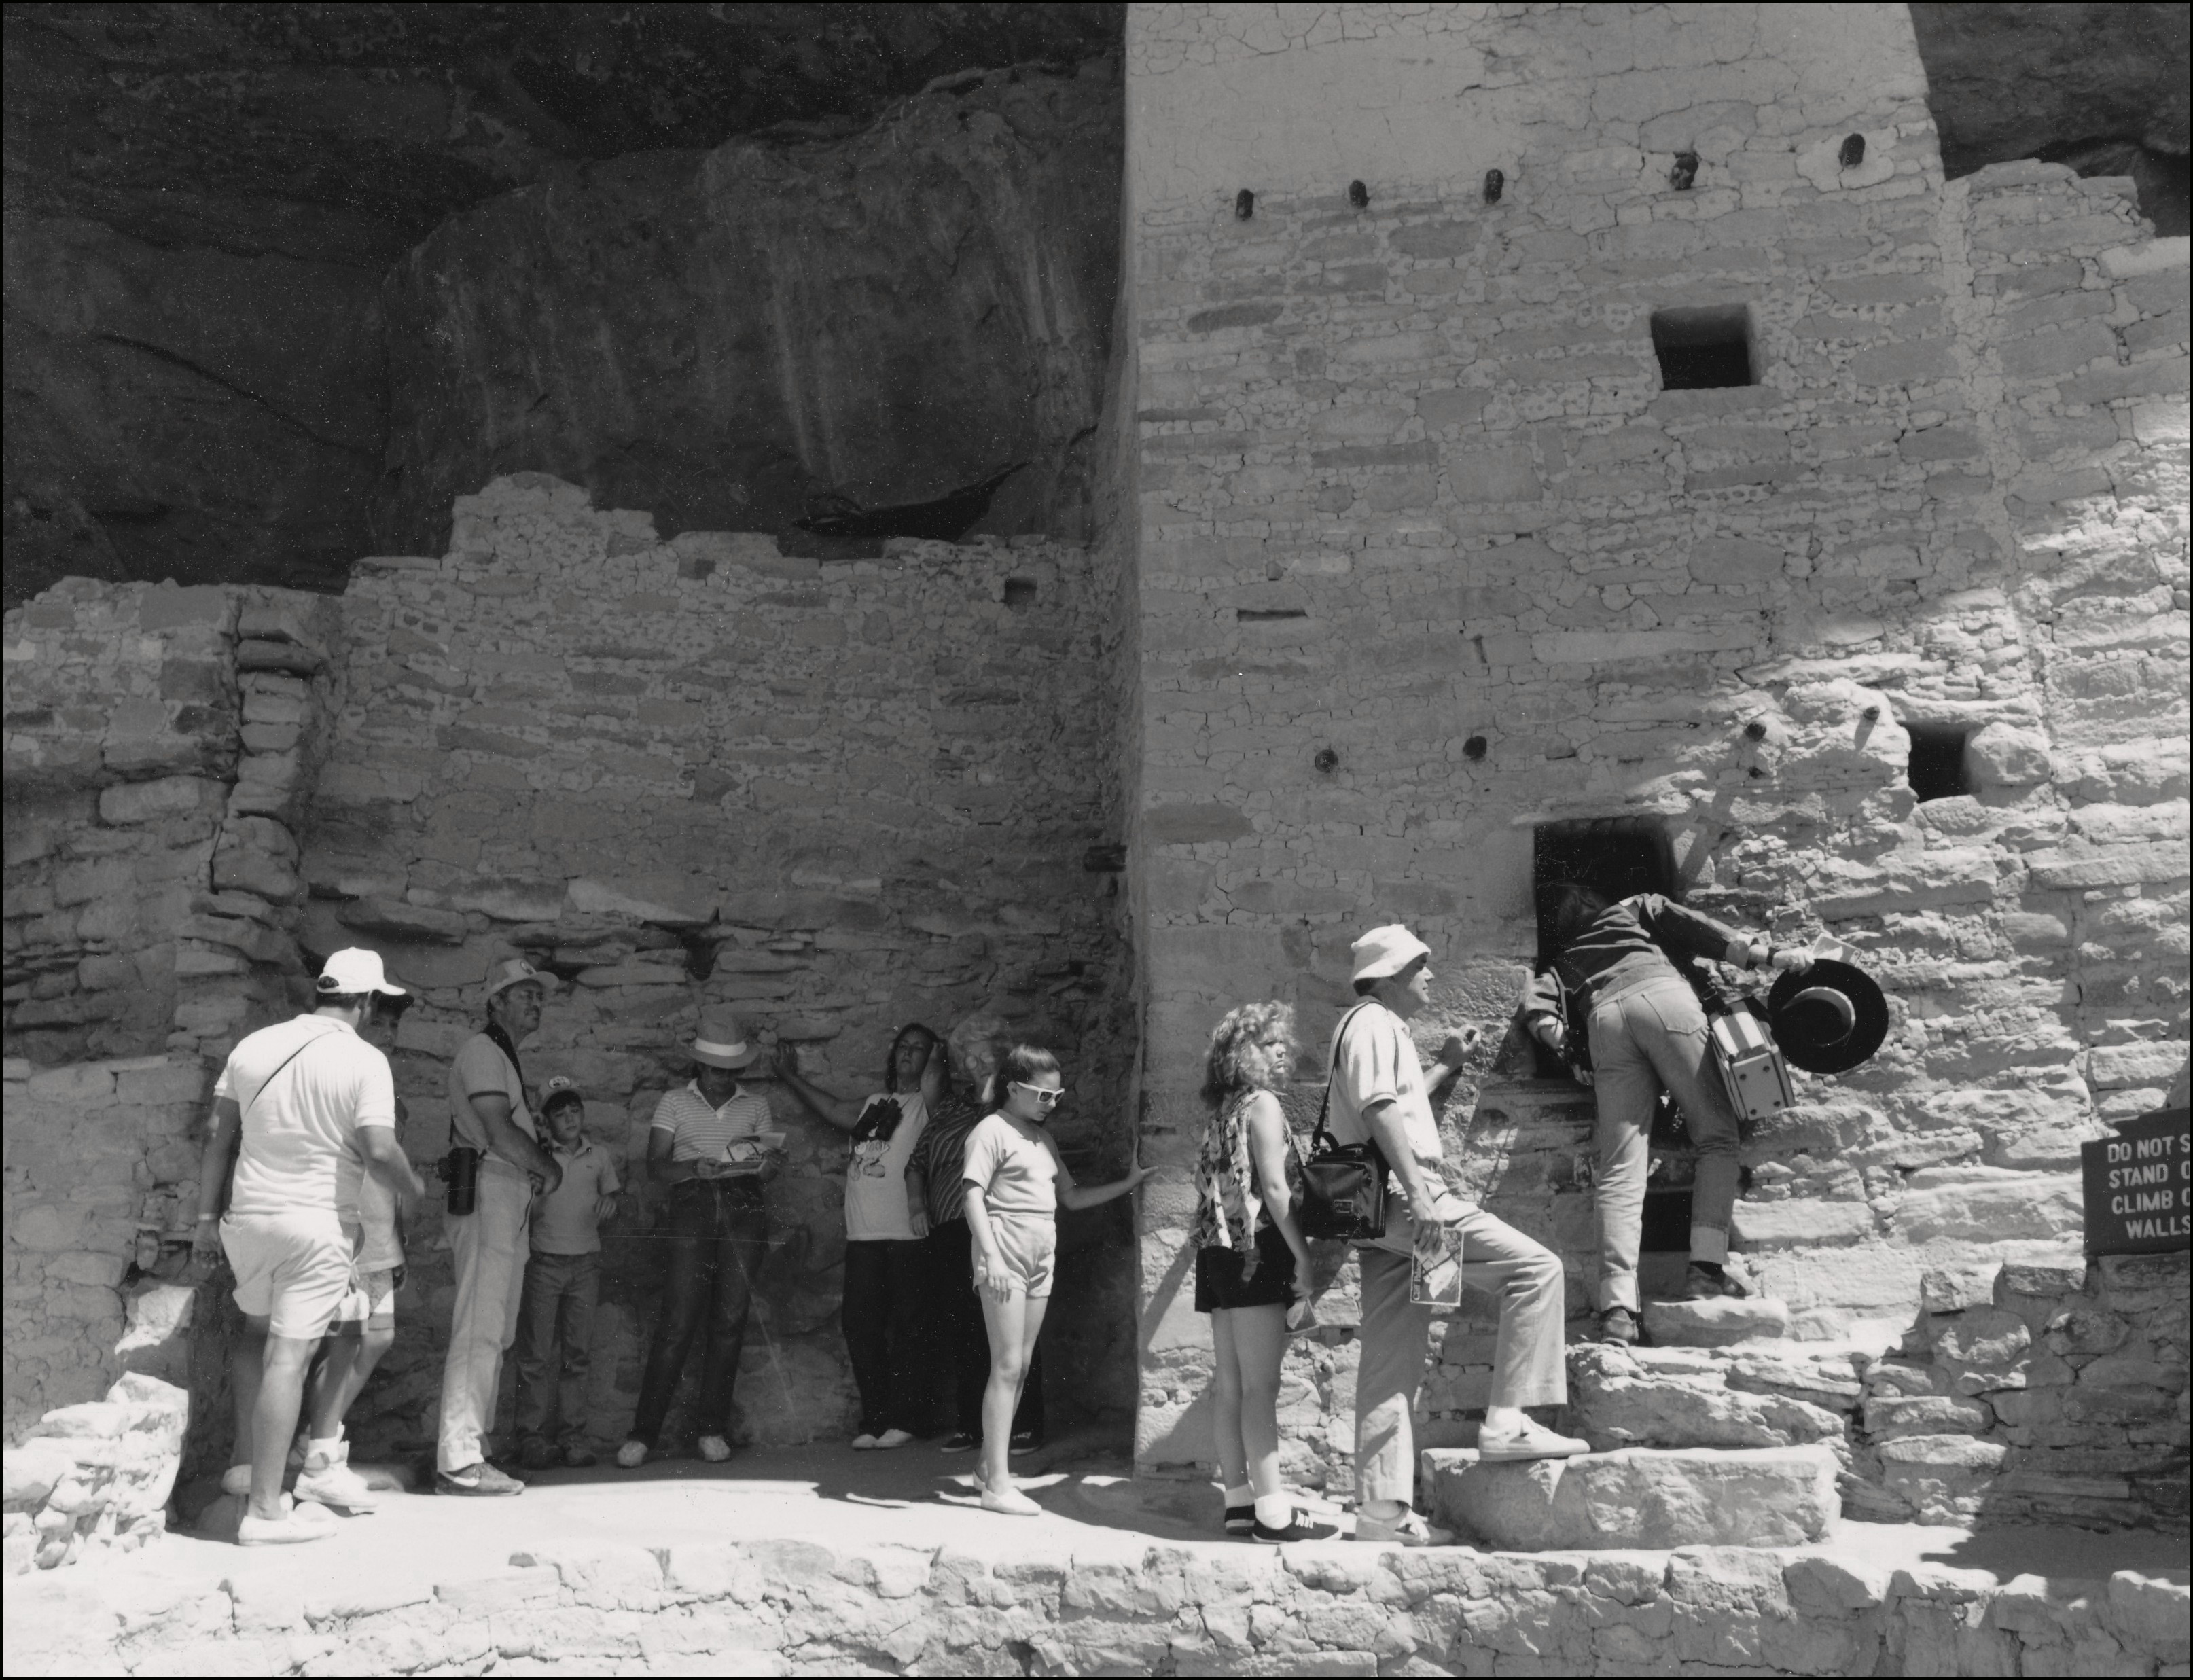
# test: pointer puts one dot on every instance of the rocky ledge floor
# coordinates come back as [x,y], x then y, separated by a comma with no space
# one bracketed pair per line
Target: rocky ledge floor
[823,1561]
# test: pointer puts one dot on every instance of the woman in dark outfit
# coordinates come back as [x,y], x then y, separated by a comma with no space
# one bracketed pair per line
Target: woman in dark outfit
[1614,1003]
[885,1309]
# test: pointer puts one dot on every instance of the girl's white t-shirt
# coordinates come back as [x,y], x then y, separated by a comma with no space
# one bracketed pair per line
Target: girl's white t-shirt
[875,1175]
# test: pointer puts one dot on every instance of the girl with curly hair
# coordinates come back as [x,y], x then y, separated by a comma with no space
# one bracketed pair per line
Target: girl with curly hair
[1251,1264]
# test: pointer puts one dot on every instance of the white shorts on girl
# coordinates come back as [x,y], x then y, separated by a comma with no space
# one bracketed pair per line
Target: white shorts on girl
[1027,1251]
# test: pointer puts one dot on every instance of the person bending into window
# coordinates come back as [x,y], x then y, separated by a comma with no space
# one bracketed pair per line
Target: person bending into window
[1016,1181]
[886,1218]
[1251,1264]
[1613,1005]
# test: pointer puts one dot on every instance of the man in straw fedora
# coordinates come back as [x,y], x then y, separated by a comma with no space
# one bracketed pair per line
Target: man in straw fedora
[712,1142]
[488,1112]
[1378,1094]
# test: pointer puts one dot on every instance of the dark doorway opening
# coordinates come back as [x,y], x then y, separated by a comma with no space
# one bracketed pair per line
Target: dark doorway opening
[1618,855]
[1667,1227]
[1937,769]
[1704,349]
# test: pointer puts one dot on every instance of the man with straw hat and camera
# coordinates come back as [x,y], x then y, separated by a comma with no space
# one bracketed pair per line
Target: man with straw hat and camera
[496,1154]
[1378,1095]
[713,1144]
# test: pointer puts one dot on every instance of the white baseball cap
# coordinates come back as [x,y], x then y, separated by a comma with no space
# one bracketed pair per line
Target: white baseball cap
[356,970]
[1387,951]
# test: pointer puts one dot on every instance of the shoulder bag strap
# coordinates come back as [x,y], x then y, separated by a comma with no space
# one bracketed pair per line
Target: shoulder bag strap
[1319,1137]
[276,1074]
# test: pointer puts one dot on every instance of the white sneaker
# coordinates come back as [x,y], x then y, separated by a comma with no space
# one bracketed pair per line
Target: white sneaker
[632,1455]
[292,1527]
[1532,1441]
[1407,1529]
[1009,1502]
[327,1479]
[865,1442]
[714,1448]
[890,1438]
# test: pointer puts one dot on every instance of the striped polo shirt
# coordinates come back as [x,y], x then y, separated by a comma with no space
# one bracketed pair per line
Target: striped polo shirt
[943,1152]
[699,1132]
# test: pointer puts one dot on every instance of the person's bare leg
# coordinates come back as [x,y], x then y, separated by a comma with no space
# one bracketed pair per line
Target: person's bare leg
[1260,1343]
[1005,1320]
[274,1419]
[1225,1401]
[247,1362]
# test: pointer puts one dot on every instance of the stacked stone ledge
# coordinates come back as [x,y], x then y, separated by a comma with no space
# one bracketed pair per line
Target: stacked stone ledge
[764,1607]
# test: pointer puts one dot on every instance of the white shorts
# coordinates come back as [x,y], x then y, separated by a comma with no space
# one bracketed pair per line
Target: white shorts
[298,1271]
[1027,1251]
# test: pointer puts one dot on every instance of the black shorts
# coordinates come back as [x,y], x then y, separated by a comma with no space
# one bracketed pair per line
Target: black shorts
[1218,1285]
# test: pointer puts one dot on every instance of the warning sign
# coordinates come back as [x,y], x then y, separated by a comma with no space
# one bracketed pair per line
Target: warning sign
[2140,1185]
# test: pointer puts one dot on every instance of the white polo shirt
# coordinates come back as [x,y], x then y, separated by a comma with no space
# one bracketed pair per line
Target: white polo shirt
[301,1114]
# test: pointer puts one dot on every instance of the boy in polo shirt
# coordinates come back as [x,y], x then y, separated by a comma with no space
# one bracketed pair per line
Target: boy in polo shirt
[563,1284]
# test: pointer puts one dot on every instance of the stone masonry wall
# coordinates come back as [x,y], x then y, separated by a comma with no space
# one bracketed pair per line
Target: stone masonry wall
[833,796]
[765,1607]
[1429,557]
[2059,1396]
[157,742]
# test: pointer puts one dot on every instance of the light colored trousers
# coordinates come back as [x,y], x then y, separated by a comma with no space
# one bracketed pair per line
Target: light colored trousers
[490,1247]
[1646,1037]
[1523,1276]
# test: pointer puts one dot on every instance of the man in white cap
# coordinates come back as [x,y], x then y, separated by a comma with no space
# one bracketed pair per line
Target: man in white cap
[489,1114]
[712,1143]
[306,1108]
[1378,1095]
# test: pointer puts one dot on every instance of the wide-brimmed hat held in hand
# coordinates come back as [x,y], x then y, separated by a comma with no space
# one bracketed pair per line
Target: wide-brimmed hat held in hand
[1828,1019]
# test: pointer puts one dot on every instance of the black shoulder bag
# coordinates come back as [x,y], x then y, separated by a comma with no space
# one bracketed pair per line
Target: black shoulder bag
[1344,1195]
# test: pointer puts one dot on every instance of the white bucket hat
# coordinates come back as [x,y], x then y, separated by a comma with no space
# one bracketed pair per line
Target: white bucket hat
[1387,951]
[356,970]
[515,971]
[721,1042]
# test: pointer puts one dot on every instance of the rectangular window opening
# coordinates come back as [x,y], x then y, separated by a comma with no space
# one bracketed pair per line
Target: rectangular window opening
[1704,349]
[1937,771]
[1620,855]
[1667,1224]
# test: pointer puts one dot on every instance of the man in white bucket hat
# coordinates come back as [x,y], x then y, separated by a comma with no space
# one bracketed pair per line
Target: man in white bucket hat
[306,1108]
[489,1113]
[714,1144]
[1378,1095]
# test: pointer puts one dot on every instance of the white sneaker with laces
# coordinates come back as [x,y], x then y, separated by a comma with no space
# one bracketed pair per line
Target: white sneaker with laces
[1532,1441]
[292,1527]
[714,1448]
[632,1455]
[327,1479]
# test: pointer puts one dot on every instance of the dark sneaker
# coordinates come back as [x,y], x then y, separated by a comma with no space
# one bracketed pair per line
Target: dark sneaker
[1706,1282]
[1026,1442]
[1618,1325]
[1297,1529]
[479,1481]
[577,1455]
[536,1453]
[960,1442]
[1240,1520]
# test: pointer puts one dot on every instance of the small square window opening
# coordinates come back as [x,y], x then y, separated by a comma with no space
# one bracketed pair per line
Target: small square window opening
[1938,770]
[1704,349]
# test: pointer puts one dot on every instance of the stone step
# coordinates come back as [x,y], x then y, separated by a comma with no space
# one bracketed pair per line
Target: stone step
[1715,1323]
[1619,1398]
[1636,1498]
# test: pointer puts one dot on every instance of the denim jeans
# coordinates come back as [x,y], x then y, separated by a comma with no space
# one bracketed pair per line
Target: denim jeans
[555,1345]
[717,1231]
[1650,1034]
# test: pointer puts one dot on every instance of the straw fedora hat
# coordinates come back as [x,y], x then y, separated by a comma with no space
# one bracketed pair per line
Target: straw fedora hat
[721,1042]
